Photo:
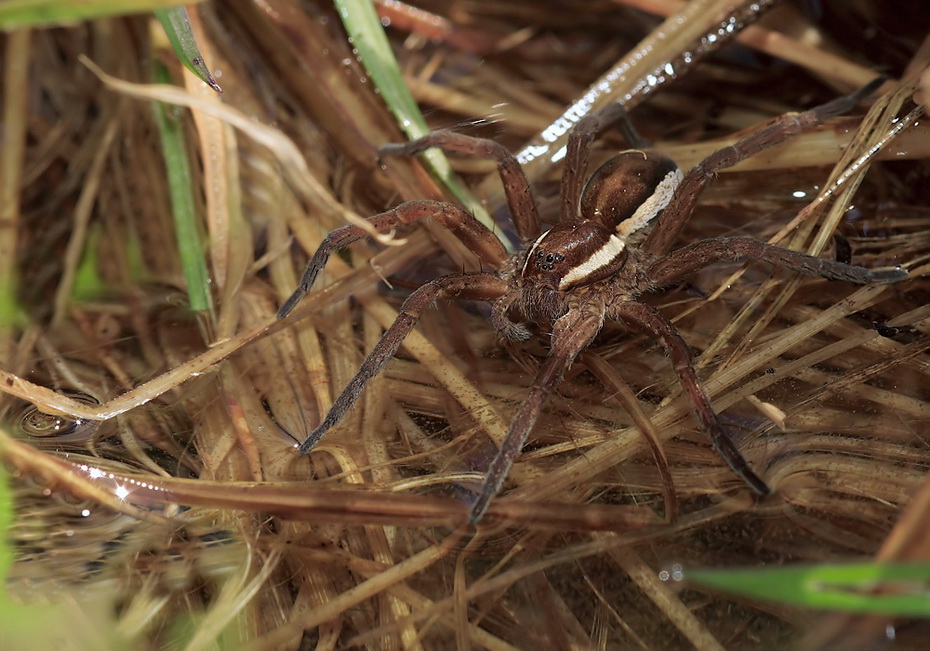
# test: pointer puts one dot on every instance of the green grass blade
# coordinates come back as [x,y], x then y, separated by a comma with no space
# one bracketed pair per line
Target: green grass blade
[10,312]
[177,26]
[368,39]
[15,14]
[6,521]
[19,624]
[190,246]
[88,284]
[901,590]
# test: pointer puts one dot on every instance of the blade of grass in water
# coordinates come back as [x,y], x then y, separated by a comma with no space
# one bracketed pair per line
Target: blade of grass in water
[177,166]
[894,589]
[368,39]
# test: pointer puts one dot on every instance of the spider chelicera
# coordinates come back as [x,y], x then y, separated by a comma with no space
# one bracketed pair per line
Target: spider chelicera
[610,246]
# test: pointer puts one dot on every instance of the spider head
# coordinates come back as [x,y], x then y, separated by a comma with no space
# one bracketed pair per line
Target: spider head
[629,190]
[572,254]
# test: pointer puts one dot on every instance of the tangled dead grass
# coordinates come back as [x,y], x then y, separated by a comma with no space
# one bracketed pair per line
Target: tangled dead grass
[167,488]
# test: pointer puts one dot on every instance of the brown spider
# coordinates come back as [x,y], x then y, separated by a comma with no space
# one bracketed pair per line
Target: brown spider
[585,269]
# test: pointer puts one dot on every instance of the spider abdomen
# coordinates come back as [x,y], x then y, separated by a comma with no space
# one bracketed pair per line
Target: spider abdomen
[630,190]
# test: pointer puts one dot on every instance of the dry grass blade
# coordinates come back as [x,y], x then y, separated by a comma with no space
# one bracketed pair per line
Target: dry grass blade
[153,449]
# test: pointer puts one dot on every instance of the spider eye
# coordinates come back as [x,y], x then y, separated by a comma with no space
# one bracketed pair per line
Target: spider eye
[630,190]
[547,261]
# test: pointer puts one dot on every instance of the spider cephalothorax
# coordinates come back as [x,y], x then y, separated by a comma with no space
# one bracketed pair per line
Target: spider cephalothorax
[609,247]
[592,250]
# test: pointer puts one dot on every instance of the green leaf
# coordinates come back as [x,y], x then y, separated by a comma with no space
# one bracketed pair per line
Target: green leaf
[87,281]
[177,26]
[6,521]
[368,39]
[10,311]
[894,589]
[15,14]
[19,624]
[180,184]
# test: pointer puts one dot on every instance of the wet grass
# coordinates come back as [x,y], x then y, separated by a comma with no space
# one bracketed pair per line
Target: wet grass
[151,445]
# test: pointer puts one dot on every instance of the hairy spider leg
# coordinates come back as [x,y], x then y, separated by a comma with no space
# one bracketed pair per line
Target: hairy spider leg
[651,322]
[516,186]
[475,286]
[679,210]
[578,152]
[690,258]
[571,334]
[473,234]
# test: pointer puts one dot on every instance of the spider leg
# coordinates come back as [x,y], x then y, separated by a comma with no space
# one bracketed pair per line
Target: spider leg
[651,322]
[578,151]
[571,334]
[516,186]
[473,234]
[688,259]
[476,286]
[682,204]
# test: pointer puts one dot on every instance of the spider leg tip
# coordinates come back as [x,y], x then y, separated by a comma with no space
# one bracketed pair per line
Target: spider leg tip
[391,149]
[477,510]
[893,275]
[288,306]
[874,85]
[755,483]
[306,446]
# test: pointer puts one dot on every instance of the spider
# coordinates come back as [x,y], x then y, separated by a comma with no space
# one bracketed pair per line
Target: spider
[610,246]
